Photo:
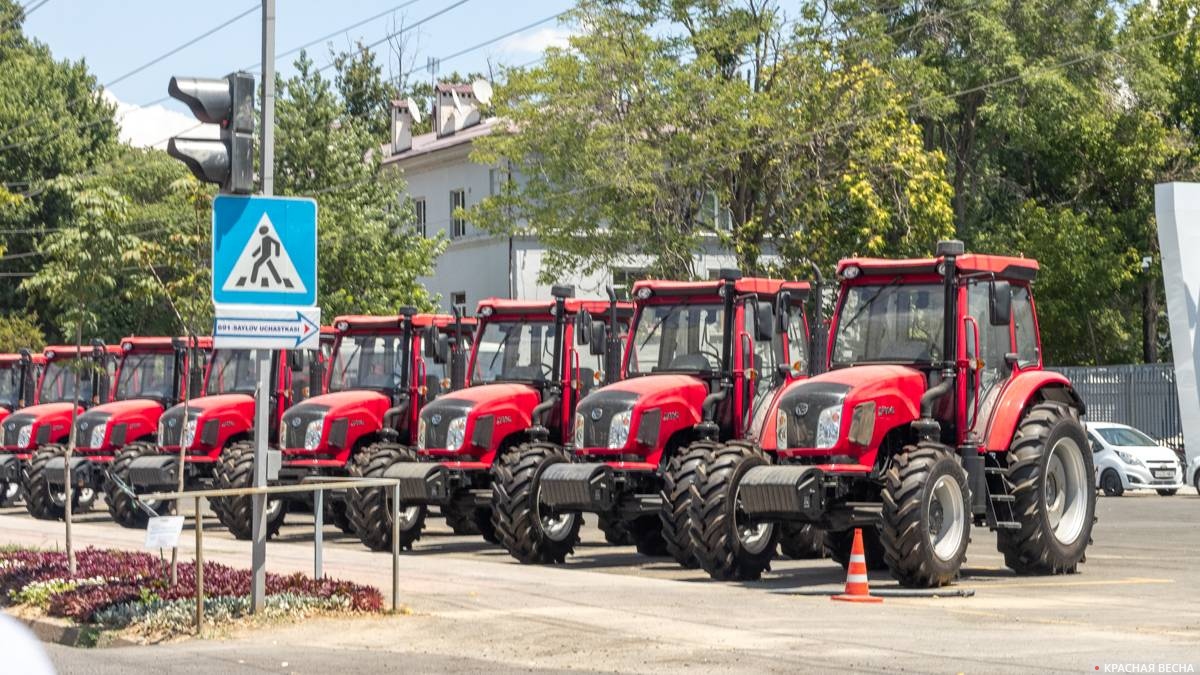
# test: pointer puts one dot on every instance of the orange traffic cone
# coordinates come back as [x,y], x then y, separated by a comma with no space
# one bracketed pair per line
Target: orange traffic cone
[857,588]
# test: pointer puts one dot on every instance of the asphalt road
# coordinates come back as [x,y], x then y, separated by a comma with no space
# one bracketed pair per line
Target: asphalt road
[1135,601]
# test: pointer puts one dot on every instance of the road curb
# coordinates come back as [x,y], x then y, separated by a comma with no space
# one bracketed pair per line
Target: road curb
[63,632]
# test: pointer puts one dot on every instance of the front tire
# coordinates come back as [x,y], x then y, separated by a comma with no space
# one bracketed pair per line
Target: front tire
[1049,466]
[728,545]
[236,470]
[123,508]
[802,541]
[838,545]
[529,535]
[686,468]
[926,516]
[39,501]
[371,508]
[1110,482]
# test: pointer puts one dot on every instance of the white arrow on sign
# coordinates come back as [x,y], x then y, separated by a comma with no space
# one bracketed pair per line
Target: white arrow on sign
[247,328]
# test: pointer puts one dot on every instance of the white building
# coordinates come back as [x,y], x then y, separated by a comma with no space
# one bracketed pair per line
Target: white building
[441,177]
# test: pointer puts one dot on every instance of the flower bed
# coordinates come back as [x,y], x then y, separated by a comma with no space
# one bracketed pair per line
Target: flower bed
[121,589]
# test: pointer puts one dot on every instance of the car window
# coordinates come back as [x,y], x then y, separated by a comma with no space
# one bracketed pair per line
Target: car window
[1126,437]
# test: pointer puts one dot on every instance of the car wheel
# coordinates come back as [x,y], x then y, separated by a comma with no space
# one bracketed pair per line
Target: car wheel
[1196,481]
[1167,493]
[1110,482]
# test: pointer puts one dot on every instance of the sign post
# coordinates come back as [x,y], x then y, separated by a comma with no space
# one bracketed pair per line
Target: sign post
[264,290]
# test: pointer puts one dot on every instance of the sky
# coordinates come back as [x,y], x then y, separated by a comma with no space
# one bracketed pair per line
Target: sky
[115,37]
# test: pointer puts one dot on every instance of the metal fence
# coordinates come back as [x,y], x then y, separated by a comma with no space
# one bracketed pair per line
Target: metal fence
[1143,396]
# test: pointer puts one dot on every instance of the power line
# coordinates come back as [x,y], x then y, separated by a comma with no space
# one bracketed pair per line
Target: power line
[110,83]
[35,6]
[483,44]
[402,31]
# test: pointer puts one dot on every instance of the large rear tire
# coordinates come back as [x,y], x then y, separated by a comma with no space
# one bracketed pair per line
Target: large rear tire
[802,541]
[371,508]
[685,469]
[460,521]
[1049,473]
[926,516]
[236,471]
[728,545]
[123,508]
[530,533]
[616,531]
[39,501]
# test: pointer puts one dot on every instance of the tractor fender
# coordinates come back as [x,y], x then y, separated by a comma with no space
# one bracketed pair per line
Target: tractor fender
[1018,394]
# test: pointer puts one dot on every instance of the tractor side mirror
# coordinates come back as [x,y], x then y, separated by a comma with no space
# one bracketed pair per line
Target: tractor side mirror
[430,342]
[583,328]
[296,360]
[764,325]
[195,382]
[1001,303]
[783,305]
[441,348]
[599,339]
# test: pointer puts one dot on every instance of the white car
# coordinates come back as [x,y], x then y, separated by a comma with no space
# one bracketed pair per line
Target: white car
[1127,459]
[1194,472]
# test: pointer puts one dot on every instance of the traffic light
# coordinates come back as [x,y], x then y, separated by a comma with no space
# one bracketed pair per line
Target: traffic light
[229,102]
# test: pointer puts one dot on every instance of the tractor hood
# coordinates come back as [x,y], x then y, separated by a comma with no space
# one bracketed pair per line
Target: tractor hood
[47,422]
[635,414]
[820,411]
[213,417]
[489,412]
[336,413]
[113,425]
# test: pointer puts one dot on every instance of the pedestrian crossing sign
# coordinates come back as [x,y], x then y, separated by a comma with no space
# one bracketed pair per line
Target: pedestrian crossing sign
[264,251]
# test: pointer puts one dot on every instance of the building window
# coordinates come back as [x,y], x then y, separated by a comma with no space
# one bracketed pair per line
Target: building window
[459,299]
[419,216]
[624,278]
[458,226]
[495,181]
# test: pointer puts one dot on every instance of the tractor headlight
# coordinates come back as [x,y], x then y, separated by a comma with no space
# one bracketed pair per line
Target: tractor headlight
[24,435]
[312,434]
[829,426]
[456,433]
[577,436]
[781,429]
[98,432]
[189,434]
[1128,458]
[618,429]
[421,434]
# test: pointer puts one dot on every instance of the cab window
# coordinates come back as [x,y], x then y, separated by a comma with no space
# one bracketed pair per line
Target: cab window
[1025,328]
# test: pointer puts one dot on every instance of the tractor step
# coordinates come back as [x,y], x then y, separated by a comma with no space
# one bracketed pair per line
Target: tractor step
[1004,498]
[1007,525]
[995,470]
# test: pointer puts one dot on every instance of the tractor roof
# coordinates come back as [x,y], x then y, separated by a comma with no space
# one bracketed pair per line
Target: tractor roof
[392,323]
[1004,267]
[131,343]
[68,351]
[13,359]
[597,308]
[762,286]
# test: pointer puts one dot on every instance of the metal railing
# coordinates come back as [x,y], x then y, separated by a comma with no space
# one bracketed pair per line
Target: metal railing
[318,486]
[1140,395]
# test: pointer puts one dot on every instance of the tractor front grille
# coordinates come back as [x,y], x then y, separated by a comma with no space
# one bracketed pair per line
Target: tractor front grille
[437,416]
[803,405]
[171,423]
[296,421]
[12,427]
[598,409]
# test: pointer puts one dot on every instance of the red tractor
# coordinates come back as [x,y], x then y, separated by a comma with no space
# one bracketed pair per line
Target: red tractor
[381,376]
[527,375]
[209,427]
[19,377]
[151,377]
[703,363]
[935,414]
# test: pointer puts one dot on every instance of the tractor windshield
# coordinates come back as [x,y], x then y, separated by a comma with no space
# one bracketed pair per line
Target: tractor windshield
[10,385]
[683,337]
[233,372]
[368,362]
[889,323]
[514,351]
[58,384]
[149,375]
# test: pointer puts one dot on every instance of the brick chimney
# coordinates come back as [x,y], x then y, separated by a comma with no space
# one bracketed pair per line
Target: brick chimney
[455,108]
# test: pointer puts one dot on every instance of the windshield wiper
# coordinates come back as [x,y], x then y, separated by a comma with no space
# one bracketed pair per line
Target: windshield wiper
[870,301]
[658,324]
[503,345]
[342,374]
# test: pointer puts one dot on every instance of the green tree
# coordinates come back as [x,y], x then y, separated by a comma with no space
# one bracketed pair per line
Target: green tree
[20,331]
[371,256]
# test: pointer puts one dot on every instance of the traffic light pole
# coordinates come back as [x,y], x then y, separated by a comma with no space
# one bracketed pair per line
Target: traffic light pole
[262,401]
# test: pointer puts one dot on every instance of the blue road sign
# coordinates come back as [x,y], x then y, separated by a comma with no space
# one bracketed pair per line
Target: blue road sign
[264,251]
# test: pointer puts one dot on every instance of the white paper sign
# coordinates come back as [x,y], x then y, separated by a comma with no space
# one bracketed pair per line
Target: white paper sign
[164,531]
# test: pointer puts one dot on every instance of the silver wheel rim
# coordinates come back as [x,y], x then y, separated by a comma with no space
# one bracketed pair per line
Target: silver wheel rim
[946,517]
[273,508]
[408,515]
[1065,491]
[10,492]
[555,527]
[752,537]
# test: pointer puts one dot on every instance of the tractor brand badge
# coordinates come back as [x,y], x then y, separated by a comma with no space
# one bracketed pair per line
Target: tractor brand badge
[801,409]
[597,414]
[296,422]
[171,422]
[436,419]
[10,426]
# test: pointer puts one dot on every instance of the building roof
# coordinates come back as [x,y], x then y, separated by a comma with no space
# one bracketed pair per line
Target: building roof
[430,143]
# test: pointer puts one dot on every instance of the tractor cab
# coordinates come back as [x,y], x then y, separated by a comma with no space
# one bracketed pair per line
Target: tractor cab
[935,379]
[531,362]
[702,364]
[19,375]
